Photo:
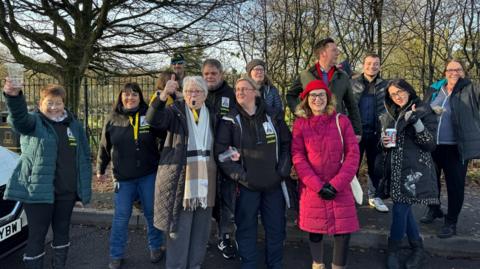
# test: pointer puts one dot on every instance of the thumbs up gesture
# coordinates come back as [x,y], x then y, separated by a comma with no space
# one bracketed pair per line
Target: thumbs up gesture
[169,89]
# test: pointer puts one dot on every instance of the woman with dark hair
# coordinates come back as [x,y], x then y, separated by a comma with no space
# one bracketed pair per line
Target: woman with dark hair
[408,129]
[457,99]
[325,155]
[131,144]
[256,70]
[53,172]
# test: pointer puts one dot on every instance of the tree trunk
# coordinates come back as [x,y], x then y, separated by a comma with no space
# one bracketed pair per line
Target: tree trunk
[71,80]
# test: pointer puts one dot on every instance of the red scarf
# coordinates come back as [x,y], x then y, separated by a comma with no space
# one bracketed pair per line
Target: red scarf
[329,74]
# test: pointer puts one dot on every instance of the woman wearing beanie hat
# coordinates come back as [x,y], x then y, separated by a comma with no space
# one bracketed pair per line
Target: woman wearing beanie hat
[256,71]
[325,155]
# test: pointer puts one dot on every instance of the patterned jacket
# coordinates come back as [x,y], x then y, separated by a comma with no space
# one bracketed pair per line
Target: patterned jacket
[410,175]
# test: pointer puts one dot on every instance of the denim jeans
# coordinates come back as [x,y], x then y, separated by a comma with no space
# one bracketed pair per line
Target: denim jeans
[271,205]
[403,222]
[143,188]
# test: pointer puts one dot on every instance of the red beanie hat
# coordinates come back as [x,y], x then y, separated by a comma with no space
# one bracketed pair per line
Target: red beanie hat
[315,85]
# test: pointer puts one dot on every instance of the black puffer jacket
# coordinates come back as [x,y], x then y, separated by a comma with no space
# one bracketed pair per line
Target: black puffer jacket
[170,181]
[232,131]
[409,169]
[358,88]
[465,106]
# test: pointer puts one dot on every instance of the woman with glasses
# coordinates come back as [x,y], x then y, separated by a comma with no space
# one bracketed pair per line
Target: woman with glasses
[186,177]
[131,145]
[408,129]
[457,101]
[256,71]
[260,160]
[325,155]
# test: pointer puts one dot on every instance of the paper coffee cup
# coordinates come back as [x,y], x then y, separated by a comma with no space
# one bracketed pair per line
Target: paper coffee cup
[392,134]
[15,74]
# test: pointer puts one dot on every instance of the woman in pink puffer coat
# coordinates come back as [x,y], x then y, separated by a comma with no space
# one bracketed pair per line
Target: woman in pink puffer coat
[327,205]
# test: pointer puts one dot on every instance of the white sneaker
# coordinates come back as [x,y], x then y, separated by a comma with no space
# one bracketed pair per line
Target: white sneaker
[378,204]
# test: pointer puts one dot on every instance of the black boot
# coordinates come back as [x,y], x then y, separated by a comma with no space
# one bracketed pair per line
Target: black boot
[59,258]
[432,213]
[417,259]
[393,260]
[448,230]
[33,262]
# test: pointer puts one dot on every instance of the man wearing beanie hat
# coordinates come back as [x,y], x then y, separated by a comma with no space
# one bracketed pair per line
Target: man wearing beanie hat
[177,63]
[256,70]
[337,80]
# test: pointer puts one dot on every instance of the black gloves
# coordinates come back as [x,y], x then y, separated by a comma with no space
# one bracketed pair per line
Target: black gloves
[411,117]
[328,192]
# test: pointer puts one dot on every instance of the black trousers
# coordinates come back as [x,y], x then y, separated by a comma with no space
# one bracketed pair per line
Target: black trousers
[40,217]
[447,159]
[369,145]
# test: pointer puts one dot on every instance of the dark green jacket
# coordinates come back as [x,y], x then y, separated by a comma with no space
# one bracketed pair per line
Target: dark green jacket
[339,85]
[32,180]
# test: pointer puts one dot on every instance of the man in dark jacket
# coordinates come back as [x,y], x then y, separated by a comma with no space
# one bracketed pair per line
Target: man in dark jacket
[221,100]
[337,80]
[369,92]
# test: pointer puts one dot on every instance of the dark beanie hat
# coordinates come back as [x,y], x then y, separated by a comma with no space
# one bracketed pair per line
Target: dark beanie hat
[315,85]
[252,64]
[177,57]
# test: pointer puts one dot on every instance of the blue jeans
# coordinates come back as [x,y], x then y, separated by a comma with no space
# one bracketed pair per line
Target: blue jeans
[403,222]
[271,205]
[143,188]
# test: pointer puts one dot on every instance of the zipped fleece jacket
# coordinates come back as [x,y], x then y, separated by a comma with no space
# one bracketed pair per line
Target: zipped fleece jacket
[465,106]
[130,159]
[33,179]
[236,129]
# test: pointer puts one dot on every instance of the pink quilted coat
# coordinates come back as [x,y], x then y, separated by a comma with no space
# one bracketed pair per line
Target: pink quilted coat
[316,153]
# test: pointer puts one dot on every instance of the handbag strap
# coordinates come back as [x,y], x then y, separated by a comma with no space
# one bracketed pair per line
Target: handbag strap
[341,136]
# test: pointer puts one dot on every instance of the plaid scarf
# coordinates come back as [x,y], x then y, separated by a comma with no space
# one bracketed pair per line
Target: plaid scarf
[201,169]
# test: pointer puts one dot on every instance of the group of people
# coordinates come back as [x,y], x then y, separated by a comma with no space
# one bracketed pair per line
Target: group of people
[199,148]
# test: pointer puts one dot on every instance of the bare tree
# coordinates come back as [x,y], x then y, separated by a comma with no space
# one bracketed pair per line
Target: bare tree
[104,36]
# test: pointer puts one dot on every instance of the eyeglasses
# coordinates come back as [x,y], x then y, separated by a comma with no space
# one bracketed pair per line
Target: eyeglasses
[244,89]
[457,70]
[258,69]
[192,92]
[400,94]
[314,96]
[178,62]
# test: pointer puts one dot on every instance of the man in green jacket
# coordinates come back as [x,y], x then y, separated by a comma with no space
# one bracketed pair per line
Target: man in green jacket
[337,80]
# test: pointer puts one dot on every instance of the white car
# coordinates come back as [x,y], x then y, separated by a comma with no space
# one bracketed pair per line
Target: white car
[13,221]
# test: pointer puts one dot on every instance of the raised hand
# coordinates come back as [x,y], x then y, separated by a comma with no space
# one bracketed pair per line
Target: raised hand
[8,88]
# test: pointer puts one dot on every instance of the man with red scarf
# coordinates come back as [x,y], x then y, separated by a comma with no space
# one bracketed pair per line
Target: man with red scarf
[337,80]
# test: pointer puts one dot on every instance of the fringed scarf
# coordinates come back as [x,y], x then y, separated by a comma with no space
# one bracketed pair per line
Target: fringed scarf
[200,170]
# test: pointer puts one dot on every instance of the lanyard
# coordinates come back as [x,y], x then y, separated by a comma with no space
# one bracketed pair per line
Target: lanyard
[135,126]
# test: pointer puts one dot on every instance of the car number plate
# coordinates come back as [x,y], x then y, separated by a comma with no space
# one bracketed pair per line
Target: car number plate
[10,229]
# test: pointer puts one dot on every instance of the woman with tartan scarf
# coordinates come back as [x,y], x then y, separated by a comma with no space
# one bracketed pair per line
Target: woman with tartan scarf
[185,183]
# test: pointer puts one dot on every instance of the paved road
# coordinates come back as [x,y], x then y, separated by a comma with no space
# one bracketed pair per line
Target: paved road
[90,251]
